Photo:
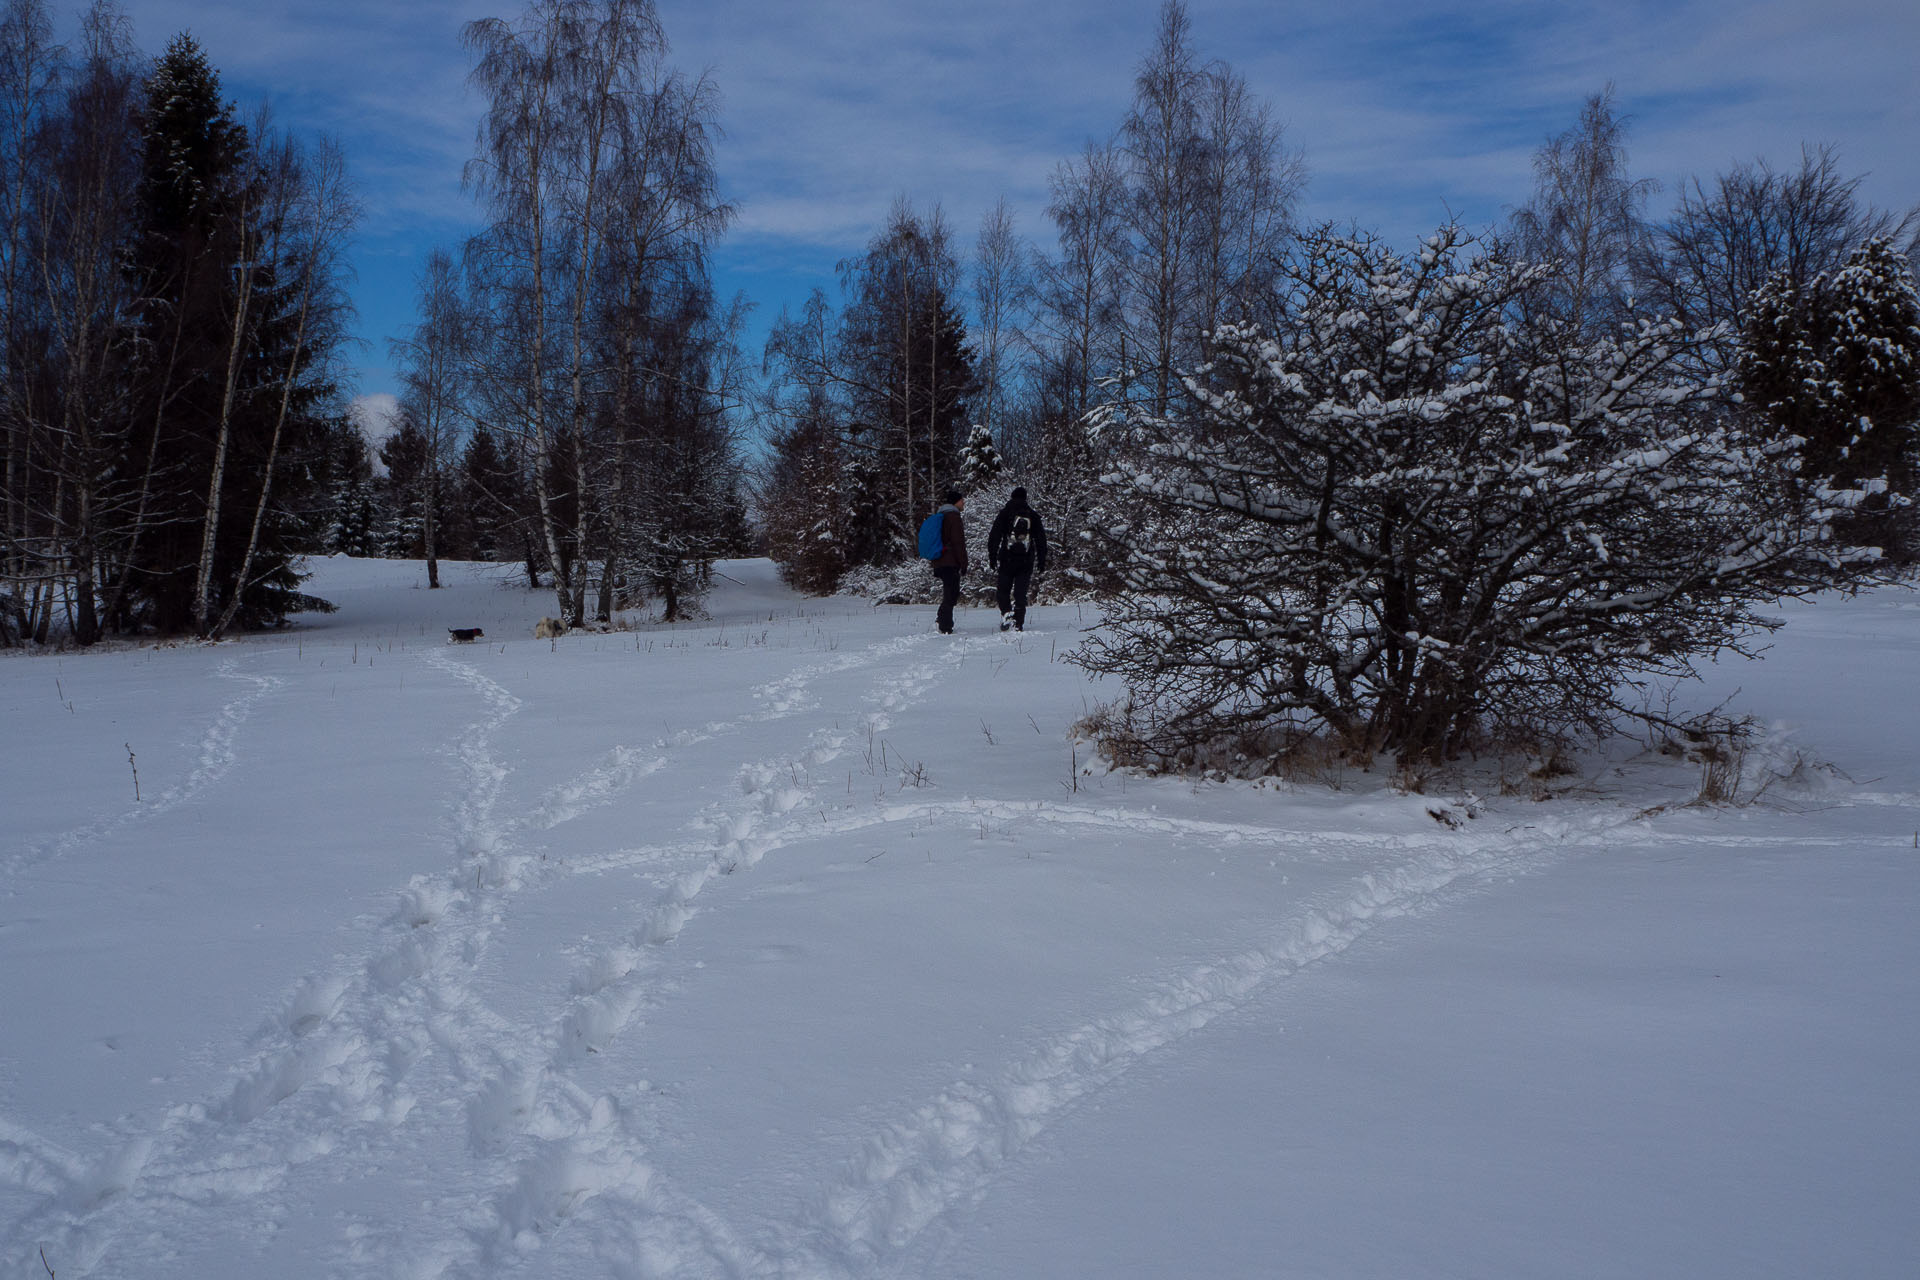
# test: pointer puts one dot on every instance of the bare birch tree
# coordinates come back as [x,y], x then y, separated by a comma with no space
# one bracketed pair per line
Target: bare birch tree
[1159,142]
[999,283]
[666,213]
[80,220]
[520,163]
[1078,291]
[435,356]
[1584,222]
[311,211]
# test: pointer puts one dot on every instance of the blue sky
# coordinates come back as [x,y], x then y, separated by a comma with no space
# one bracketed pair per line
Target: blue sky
[1406,113]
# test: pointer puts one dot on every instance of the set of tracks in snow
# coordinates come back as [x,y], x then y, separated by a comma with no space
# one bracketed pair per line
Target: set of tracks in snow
[401,1036]
[215,758]
[357,1049]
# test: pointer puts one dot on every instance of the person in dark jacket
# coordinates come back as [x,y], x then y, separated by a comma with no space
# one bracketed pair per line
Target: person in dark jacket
[953,558]
[1017,547]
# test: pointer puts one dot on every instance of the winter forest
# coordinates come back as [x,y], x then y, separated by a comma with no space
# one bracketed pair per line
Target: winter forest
[1406,499]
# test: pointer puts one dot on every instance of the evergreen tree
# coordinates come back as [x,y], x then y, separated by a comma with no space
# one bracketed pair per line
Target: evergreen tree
[186,209]
[345,473]
[803,507]
[941,385]
[492,496]
[869,532]
[904,361]
[1836,363]
[410,484]
[980,462]
[226,378]
[366,522]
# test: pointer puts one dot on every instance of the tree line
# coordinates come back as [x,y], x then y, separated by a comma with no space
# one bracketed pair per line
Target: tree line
[571,389]
[1163,231]
[1491,490]
[175,308]
[172,300]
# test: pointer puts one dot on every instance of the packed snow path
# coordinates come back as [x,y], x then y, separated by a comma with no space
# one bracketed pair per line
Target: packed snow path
[804,944]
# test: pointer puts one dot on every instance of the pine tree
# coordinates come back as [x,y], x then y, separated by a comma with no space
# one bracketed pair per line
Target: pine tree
[868,532]
[187,236]
[492,495]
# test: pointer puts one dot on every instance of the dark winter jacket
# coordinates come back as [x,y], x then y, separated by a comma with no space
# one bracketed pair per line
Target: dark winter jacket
[953,540]
[998,537]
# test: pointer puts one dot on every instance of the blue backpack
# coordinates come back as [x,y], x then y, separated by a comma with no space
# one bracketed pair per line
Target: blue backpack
[930,544]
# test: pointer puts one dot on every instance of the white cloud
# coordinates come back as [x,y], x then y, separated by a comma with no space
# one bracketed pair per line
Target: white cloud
[377,415]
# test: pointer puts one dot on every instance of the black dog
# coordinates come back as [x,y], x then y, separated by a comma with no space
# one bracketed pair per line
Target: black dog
[465,635]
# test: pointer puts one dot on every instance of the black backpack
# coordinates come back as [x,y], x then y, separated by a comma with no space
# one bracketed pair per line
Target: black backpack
[1018,553]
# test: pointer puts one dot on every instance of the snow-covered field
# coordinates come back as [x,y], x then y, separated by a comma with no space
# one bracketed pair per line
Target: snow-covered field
[795,945]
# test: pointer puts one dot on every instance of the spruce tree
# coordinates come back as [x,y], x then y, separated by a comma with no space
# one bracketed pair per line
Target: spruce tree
[489,493]
[410,479]
[200,267]
[803,508]
[980,462]
[1836,363]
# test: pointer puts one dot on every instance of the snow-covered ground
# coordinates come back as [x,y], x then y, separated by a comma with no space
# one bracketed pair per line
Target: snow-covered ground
[801,944]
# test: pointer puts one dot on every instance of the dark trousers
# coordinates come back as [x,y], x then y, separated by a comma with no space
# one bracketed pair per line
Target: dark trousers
[949,596]
[1012,595]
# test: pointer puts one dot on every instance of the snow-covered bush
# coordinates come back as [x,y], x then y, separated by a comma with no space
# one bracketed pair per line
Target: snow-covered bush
[912,582]
[906,582]
[1408,519]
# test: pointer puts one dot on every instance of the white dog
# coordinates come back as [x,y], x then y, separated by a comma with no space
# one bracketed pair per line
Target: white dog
[549,629]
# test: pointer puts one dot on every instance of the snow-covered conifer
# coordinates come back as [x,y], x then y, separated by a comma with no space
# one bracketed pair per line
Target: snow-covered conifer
[1836,364]
[803,512]
[980,462]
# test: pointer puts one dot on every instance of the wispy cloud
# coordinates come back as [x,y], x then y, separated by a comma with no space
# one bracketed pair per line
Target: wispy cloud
[833,108]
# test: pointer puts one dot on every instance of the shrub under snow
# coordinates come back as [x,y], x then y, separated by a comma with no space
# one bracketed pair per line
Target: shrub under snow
[1409,519]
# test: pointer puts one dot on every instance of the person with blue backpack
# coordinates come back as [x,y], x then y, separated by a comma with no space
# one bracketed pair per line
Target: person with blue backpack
[943,541]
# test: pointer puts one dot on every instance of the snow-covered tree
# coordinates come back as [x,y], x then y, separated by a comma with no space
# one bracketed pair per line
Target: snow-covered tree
[1836,363]
[870,531]
[980,462]
[412,489]
[360,521]
[1720,244]
[801,507]
[890,375]
[1406,518]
